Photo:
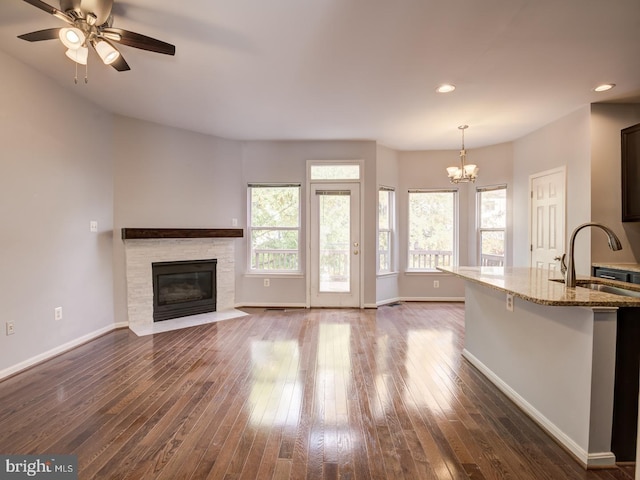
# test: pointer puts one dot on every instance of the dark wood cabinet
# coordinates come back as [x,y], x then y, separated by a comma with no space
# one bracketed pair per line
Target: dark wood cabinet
[630,142]
[624,431]
[624,428]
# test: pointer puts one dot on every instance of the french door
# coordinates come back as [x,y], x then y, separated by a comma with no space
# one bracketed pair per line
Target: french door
[335,245]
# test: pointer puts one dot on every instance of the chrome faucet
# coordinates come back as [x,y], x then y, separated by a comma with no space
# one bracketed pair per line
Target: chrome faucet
[614,244]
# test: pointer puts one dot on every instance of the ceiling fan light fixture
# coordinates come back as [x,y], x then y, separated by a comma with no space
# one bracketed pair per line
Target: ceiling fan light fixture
[72,37]
[116,37]
[107,52]
[79,55]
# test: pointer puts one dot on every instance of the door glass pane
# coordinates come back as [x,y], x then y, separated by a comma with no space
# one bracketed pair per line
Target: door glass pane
[335,172]
[334,228]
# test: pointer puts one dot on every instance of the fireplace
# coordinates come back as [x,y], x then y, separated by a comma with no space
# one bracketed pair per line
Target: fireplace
[183,288]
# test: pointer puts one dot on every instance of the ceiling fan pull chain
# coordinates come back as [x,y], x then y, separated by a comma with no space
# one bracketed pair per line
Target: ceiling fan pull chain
[75,79]
[86,73]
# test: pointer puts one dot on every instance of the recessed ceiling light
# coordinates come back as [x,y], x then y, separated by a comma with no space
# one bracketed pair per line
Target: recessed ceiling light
[604,87]
[446,88]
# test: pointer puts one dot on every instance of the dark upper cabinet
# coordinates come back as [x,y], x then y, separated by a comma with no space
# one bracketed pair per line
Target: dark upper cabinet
[630,138]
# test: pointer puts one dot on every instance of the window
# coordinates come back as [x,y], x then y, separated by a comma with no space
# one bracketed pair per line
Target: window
[274,228]
[386,224]
[334,171]
[432,229]
[492,224]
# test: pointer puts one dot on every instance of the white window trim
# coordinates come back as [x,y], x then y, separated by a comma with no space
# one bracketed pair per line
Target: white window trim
[309,184]
[392,233]
[456,229]
[314,163]
[479,228]
[281,273]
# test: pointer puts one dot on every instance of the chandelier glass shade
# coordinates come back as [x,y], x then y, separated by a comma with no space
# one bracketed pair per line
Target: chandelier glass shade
[464,172]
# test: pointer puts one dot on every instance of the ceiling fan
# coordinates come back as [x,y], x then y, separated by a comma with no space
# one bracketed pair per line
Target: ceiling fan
[90,22]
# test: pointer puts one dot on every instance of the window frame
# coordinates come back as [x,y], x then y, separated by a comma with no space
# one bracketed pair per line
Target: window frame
[456,228]
[480,229]
[251,229]
[390,230]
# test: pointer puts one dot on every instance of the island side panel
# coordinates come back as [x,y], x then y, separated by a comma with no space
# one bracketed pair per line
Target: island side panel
[543,358]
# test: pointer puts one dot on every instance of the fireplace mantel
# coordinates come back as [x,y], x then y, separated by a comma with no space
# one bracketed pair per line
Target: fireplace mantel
[159,233]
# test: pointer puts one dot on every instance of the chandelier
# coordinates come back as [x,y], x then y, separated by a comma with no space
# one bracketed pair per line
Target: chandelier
[464,173]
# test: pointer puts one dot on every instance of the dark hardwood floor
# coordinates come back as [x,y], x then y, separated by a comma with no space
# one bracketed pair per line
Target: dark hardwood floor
[353,394]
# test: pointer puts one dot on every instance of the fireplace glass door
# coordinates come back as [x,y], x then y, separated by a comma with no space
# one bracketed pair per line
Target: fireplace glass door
[183,288]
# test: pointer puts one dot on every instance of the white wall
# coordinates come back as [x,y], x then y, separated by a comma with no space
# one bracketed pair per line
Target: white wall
[606,205]
[565,142]
[560,368]
[387,172]
[56,177]
[496,168]
[67,162]
[427,169]
[171,178]
[285,161]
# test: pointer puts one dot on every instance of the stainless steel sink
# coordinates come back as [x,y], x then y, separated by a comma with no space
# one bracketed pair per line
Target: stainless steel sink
[609,289]
[603,287]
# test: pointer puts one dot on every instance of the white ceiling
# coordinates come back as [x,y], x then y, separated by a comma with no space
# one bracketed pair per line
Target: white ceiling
[353,69]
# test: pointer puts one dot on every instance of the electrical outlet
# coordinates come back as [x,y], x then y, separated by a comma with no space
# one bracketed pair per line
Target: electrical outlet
[510,302]
[436,284]
[10,328]
[57,313]
[234,222]
[267,283]
[93,226]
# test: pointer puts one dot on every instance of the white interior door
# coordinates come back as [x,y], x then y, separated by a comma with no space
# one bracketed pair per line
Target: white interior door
[547,219]
[335,245]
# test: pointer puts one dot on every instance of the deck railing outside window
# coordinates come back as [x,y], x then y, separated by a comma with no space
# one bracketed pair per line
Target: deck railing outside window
[429,259]
[334,261]
[492,260]
[275,259]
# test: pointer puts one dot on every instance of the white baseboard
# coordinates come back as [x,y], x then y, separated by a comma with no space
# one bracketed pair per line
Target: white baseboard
[588,460]
[432,299]
[7,372]
[270,305]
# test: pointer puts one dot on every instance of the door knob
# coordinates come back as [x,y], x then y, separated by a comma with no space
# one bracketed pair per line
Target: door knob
[356,244]
[356,252]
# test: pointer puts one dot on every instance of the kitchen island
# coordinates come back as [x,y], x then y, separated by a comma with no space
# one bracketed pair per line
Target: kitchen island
[551,349]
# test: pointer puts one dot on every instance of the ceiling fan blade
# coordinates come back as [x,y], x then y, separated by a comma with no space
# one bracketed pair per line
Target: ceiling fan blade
[50,10]
[137,40]
[121,64]
[48,34]
[42,6]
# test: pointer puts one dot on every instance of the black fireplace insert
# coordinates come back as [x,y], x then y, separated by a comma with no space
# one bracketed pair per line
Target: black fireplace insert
[183,288]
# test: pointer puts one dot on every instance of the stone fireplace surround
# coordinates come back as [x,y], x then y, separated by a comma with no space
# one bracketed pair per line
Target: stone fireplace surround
[145,246]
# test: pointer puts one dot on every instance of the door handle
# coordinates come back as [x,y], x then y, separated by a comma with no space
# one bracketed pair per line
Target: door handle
[356,244]
[356,252]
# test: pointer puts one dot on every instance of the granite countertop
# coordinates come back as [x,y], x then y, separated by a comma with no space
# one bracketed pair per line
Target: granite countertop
[535,286]
[630,267]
